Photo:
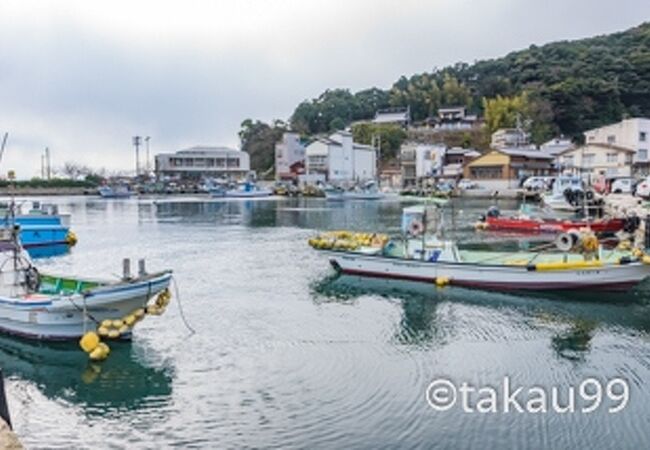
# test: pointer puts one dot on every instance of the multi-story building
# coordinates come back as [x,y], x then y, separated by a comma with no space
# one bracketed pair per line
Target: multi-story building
[289,157]
[597,161]
[633,134]
[338,159]
[509,137]
[420,161]
[203,162]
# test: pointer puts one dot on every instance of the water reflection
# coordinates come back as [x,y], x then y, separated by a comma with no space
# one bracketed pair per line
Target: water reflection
[61,370]
[573,319]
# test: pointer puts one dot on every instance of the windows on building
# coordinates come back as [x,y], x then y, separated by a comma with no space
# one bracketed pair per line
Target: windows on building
[568,160]
[486,173]
[642,154]
[588,159]
[643,136]
[612,157]
[611,139]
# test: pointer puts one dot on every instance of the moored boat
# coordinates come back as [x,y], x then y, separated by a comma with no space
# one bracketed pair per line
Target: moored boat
[368,191]
[247,189]
[524,223]
[42,226]
[416,257]
[44,306]
[118,191]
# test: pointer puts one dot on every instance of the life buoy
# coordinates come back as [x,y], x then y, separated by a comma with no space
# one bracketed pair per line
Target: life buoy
[416,227]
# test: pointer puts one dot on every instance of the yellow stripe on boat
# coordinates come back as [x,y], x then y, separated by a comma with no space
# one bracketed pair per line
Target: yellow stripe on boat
[568,265]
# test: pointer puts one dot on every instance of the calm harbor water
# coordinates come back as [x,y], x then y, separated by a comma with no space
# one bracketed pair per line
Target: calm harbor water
[286,355]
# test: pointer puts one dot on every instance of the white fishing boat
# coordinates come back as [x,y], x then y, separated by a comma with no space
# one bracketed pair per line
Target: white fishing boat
[432,260]
[42,306]
[569,194]
[118,191]
[368,191]
[246,189]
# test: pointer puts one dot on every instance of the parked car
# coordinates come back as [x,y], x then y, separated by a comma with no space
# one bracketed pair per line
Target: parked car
[623,185]
[466,184]
[643,188]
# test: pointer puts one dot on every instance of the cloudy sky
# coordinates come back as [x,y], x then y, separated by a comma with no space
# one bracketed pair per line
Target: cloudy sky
[82,77]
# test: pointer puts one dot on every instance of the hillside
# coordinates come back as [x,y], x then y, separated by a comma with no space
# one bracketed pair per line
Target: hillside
[568,86]
[587,83]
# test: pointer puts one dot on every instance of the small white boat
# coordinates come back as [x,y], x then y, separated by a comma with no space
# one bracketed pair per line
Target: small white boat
[369,191]
[246,189]
[120,191]
[416,258]
[49,307]
[569,194]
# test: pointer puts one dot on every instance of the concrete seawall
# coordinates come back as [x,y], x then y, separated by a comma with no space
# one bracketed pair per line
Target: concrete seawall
[20,192]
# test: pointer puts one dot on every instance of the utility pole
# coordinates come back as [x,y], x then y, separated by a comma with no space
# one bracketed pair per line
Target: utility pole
[43,167]
[48,166]
[137,140]
[146,166]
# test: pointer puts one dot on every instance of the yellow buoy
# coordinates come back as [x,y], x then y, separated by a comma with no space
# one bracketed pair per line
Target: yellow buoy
[442,281]
[103,331]
[107,323]
[99,354]
[139,313]
[117,324]
[646,259]
[129,320]
[113,334]
[105,348]
[89,342]
[71,239]
[123,329]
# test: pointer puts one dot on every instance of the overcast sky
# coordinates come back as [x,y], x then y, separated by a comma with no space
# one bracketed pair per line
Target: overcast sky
[84,76]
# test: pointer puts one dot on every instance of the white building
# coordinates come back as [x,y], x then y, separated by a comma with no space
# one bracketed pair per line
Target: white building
[633,134]
[338,159]
[289,157]
[509,137]
[597,161]
[420,161]
[202,161]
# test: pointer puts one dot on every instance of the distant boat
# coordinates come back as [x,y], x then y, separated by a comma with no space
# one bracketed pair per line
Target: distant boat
[120,191]
[246,189]
[368,191]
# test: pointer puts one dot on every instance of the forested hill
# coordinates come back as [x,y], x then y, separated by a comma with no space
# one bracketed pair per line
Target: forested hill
[575,85]
[563,87]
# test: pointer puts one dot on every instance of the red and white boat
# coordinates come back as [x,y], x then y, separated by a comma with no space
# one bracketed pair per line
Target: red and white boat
[526,224]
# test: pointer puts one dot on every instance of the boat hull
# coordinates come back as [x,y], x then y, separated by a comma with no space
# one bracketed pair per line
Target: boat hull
[246,194]
[353,196]
[552,225]
[59,318]
[491,277]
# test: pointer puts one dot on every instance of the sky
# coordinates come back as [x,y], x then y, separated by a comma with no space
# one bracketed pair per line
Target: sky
[83,76]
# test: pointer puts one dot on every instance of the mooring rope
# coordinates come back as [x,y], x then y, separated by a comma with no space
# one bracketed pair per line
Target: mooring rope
[180,308]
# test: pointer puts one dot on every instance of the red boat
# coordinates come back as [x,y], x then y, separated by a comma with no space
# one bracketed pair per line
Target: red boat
[494,221]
